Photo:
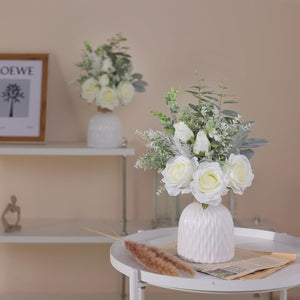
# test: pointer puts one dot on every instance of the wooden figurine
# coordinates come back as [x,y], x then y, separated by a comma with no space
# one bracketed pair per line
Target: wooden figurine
[11,208]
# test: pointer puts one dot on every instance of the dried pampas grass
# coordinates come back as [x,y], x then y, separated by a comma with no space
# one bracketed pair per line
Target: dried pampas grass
[152,258]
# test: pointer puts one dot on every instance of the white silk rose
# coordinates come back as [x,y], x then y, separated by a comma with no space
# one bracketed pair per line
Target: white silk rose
[183,132]
[177,175]
[125,92]
[201,143]
[107,65]
[89,90]
[104,80]
[239,173]
[209,183]
[107,98]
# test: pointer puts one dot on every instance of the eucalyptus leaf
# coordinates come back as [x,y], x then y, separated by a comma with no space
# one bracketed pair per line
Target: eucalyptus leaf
[137,76]
[238,141]
[230,113]
[207,92]
[254,143]
[248,124]
[122,54]
[212,98]
[249,153]
[140,83]
[139,89]
[193,93]
[194,107]
[230,102]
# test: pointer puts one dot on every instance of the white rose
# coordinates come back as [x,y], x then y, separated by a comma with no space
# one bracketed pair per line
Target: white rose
[125,92]
[239,173]
[183,132]
[209,183]
[107,98]
[177,175]
[104,80]
[201,143]
[107,65]
[89,90]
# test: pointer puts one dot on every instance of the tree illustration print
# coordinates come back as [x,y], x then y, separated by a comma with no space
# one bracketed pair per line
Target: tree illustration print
[12,94]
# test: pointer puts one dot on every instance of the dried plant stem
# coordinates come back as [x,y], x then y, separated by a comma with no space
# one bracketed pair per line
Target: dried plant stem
[152,258]
[102,233]
[177,263]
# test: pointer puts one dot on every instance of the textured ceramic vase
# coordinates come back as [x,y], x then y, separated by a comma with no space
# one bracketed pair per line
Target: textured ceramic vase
[206,235]
[104,130]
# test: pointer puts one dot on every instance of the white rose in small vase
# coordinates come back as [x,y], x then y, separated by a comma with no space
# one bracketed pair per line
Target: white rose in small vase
[201,143]
[209,183]
[104,80]
[125,92]
[183,132]
[239,173]
[107,98]
[177,175]
[107,65]
[89,90]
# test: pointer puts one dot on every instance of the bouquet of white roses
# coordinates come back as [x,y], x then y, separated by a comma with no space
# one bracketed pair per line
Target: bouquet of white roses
[107,78]
[204,150]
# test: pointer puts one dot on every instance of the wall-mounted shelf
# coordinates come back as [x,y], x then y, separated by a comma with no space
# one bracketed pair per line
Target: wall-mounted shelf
[64,149]
[72,149]
[64,231]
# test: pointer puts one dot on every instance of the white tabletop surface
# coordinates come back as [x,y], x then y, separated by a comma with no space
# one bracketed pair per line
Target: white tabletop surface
[251,239]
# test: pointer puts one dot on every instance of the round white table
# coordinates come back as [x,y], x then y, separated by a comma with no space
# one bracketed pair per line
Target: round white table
[251,239]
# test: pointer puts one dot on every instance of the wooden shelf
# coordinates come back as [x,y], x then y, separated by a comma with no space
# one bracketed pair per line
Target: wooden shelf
[68,231]
[63,149]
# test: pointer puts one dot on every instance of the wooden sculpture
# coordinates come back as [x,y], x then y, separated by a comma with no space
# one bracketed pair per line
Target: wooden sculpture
[11,208]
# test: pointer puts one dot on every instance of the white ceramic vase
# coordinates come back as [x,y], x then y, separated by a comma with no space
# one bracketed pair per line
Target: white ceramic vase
[104,130]
[206,235]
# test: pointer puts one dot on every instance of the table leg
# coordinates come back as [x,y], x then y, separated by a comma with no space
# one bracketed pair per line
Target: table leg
[133,285]
[141,293]
[283,294]
[123,293]
[136,288]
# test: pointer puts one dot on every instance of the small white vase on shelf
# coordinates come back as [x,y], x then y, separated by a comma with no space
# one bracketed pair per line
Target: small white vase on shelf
[206,235]
[104,130]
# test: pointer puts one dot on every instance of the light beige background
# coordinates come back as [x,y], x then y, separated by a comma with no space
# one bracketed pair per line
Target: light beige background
[253,45]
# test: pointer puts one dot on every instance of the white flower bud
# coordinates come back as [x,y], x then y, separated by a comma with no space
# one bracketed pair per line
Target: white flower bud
[201,143]
[183,132]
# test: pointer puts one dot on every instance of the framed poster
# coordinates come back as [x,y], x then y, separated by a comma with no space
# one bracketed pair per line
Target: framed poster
[23,91]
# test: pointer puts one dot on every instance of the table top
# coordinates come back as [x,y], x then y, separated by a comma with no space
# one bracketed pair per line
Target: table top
[251,239]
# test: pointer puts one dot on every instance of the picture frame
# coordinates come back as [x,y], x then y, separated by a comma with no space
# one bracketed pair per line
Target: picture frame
[23,93]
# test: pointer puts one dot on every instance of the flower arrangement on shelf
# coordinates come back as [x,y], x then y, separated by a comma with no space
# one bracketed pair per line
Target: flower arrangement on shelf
[204,149]
[107,79]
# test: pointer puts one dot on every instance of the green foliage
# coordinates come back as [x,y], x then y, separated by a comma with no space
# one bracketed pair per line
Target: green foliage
[222,127]
[92,60]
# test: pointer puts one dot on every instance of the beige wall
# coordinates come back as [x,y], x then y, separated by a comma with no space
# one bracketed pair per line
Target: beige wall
[253,45]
